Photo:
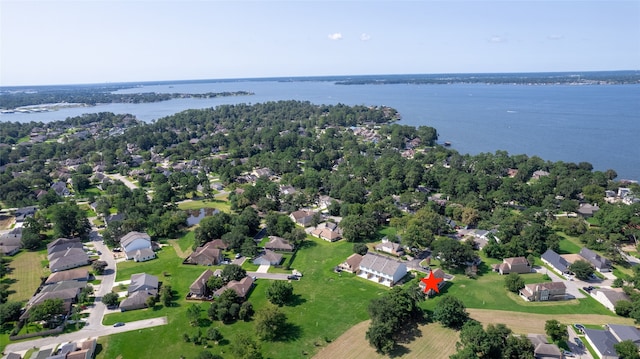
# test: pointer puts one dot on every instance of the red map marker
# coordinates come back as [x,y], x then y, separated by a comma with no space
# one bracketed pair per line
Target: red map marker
[431,282]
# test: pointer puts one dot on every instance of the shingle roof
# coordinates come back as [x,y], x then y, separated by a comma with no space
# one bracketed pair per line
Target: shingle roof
[379,264]
[625,332]
[278,243]
[141,281]
[594,258]
[72,274]
[602,340]
[132,236]
[555,260]
[202,279]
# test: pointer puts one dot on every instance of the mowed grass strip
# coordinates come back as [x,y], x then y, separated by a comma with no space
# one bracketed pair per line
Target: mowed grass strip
[198,204]
[524,323]
[26,274]
[434,341]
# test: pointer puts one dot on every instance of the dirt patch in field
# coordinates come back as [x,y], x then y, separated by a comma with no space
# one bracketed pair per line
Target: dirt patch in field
[433,341]
[6,221]
[524,323]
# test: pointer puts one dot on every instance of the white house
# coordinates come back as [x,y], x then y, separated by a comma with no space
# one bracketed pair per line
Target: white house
[134,241]
[609,297]
[383,270]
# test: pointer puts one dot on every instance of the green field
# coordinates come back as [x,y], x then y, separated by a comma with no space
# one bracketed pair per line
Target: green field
[320,294]
[569,244]
[197,204]
[26,274]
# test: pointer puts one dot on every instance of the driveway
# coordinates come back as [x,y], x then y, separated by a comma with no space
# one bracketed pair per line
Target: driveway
[124,180]
[580,352]
[273,276]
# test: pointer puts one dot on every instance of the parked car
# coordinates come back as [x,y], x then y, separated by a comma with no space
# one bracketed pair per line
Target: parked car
[580,327]
[238,255]
[579,342]
[293,277]
[118,324]
[567,353]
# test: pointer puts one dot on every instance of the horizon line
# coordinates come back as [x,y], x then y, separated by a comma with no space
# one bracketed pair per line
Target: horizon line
[309,77]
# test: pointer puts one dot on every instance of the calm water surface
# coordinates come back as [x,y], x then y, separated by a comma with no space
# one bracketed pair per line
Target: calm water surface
[596,124]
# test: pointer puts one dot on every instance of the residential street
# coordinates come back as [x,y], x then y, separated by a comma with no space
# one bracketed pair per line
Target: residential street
[580,352]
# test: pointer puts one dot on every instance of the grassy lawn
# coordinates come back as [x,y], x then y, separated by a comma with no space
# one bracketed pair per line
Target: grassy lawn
[186,241]
[320,294]
[219,204]
[25,276]
[569,244]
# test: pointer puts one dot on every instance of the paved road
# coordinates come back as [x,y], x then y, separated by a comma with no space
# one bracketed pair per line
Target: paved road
[84,334]
[124,180]
[580,352]
[273,276]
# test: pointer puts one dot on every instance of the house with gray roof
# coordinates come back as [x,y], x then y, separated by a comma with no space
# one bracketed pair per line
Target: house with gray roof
[133,241]
[625,332]
[62,244]
[540,292]
[381,269]
[554,260]
[268,257]
[137,300]
[143,282]
[71,258]
[542,349]
[602,341]
[609,297]
[601,263]
[278,244]
[11,242]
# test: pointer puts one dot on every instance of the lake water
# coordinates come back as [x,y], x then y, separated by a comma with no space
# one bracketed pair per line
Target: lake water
[596,124]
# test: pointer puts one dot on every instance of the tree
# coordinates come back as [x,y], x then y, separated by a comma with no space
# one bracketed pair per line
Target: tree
[110,299]
[166,295]
[380,336]
[214,334]
[358,228]
[555,330]
[623,308]
[279,292]
[627,349]
[46,310]
[450,312]
[99,267]
[582,269]
[360,248]
[453,253]
[151,301]
[514,282]
[205,354]
[246,311]
[9,312]
[518,347]
[193,314]
[232,272]
[69,221]
[214,283]
[245,347]
[270,323]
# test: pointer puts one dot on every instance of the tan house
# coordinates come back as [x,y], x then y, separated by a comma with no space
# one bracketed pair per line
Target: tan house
[242,287]
[438,273]
[540,292]
[199,286]
[352,263]
[303,218]
[328,231]
[390,247]
[206,255]
[513,265]
[278,244]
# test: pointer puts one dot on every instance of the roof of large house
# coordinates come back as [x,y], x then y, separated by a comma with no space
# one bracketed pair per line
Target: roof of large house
[71,251]
[142,280]
[132,236]
[271,256]
[594,258]
[202,279]
[62,243]
[614,295]
[556,260]
[542,348]
[241,287]
[603,340]
[302,216]
[73,256]
[625,332]
[135,299]
[67,284]
[208,252]
[396,247]
[534,287]
[71,274]
[516,260]
[278,243]
[380,264]
[218,243]
[354,260]
[141,253]
[588,209]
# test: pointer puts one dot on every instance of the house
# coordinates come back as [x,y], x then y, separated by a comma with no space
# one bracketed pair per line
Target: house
[609,297]
[136,300]
[62,244]
[539,173]
[71,258]
[601,263]
[513,265]
[11,242]
[602,341]
[241,287]
[587,210]
[133,241]
[625,332]
[68,297]
[328,231]
[262,172]
[542,349]
[78,274]
[352,264]
[303,218]
[206,255]
[143,282]
[390,247]
[116,217]
[60,188]
[199,286]
[540,292]
[13,356]
[554,260]
[21,214]
[143,255]
[278,244]
[437,273]
[268,258]
[219,243]
[380,269]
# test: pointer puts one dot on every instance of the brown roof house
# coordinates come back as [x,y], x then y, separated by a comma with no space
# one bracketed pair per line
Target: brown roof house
[540,292]
[513,265]
[352,264]
[542,349]
[268,257]
[438,273]
[390,247]
[382,270]
[142,287]
[303,218]
[78,274]
[199,286]
[206,255]
[328,231]
[278,244]
[242,287]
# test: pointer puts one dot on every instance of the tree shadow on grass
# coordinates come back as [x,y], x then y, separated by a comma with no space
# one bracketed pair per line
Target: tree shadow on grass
[296,300]
[204,322]
[98,350]
[289,333]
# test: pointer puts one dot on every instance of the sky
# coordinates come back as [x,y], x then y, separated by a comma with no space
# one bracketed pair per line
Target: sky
[71,42]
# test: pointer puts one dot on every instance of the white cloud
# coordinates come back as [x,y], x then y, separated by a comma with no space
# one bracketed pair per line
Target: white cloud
[497,39]
[365,37]
[555,37]
[335,36]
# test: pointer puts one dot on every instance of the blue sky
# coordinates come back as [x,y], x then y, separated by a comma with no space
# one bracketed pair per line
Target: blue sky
[59,42]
